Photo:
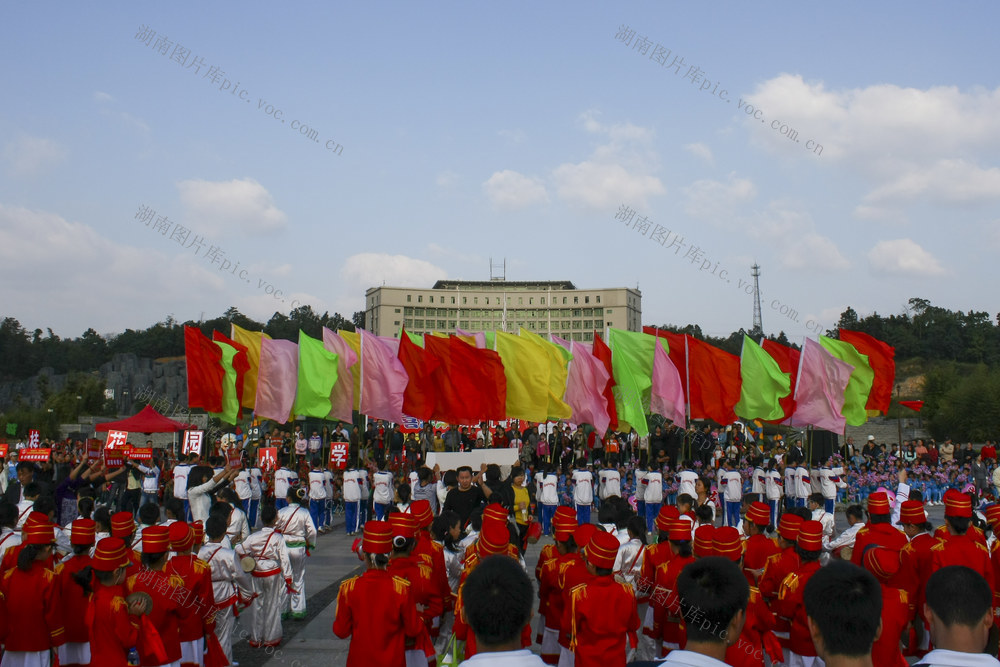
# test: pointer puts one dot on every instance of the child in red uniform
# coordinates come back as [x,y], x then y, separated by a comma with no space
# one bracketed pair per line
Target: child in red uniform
[404,565]
[197,576]
[896,610]
[376,610]
[74,589]
[666,616]
[550,604]
[113,624]
[603,611]
[809,545]
[32,593]
[758,546]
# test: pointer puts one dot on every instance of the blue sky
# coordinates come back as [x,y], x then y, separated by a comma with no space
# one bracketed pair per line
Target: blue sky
[513,130]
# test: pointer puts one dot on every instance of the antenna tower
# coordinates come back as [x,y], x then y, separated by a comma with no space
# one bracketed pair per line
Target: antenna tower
[758,325]
[498,271]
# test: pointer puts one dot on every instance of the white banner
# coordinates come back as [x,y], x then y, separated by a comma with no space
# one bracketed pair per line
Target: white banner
[506,458]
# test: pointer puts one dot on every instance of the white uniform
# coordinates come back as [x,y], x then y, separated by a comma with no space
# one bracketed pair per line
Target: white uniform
[611,483]
[803,483]
[772,485]
[317,489]
[686,483]
[583,487]
[238,528]
[549,494]
[242,485]
[271,576]
[230,585]
[296,526]
[181,472]
[759,481]
[256,475]
[8,539]
[628,562]
[654,487]
[283,478]
[640,486]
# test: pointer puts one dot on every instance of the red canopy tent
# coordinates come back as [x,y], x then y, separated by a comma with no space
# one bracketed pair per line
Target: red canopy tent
[147,420]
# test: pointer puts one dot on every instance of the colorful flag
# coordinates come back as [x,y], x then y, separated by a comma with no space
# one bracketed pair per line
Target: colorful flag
[251,341]
[819,389]
[667,392]
[477,339]
[230,400]
[383,378]
[205,374]
[559,360]
[603,354]
[353,339]
[585,386]
[277,379]
[342,395]
[526,369]
[420,395]
[860,386]
[882,358]
[632,361]
[241,364]
[713,381]
[485,387]
[787,359]
[763,384]
[317,376]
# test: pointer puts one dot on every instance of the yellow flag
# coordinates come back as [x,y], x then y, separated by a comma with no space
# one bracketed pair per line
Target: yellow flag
[353,339]
[526,367]
[558,359]
[250,339]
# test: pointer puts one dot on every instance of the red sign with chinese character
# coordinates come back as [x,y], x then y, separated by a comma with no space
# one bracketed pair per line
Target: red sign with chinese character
[116,439]
[141,453]
[192,442]
[34,438]
[38,454]
[4,450]
[94,448]
[267,458]
[338,456]
[115,458]
[234,457]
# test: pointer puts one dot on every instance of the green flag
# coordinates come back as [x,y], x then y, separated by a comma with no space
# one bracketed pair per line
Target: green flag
[416,339]
[230,401]
[12,429]
[632,364]
[317,375]
[860,384]
[764,385]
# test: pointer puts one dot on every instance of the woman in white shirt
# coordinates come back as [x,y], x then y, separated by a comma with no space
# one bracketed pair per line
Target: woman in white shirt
[201,483]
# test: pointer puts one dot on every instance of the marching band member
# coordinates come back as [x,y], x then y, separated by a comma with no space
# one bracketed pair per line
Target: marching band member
[75,595]
[272,579]
[299,533]
[113,623]
[231,585]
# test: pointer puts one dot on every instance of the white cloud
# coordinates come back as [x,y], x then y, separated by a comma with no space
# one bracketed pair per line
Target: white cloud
[509,190]
[131,286]
[815,253]
[945,182]
[903,257]
[718,202]
[372,269]
[619,170]
[29,156]
[219,207]
[701,151]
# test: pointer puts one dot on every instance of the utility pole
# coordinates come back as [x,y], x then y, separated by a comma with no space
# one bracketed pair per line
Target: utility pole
[758,326]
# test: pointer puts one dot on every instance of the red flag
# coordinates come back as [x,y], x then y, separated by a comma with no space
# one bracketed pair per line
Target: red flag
[788,361]
[204,371]
[603,353]
[913,405]
[715,382]
[882,358]
[241,364]
[486,375]
[420,394]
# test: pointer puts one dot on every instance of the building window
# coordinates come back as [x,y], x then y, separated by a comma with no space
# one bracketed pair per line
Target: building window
[586,299]
[418,324]
[531,300]
[609,311]
[564,301]
[442,312]
[420,299]
[543,300]
[588,336]
[408,311]
[452,324]
[565,325]
[432,298]
[598,311]
[465,300]
[396,323]
[576,312]
[408,298]
[520,300]
[463,324]
[577,324]
[588,324]
[576,299]
[440,325]
[598,298]
[397,310]
[598,324]
[577,335]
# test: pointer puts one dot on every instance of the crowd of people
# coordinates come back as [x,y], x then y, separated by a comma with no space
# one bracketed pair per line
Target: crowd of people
[150,562]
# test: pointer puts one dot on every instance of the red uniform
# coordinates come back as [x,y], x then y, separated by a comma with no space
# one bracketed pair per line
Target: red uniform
[973,532]
[422,585]
[37,624]
[378,612]
[166,615]
[571,575]
[432,554]
[653,557]
[197,577]
[113,631]
[666,618]
[602,612]
[756,550]
[963,550]
[896,616]
[776,568]
[882,534]
[915,569]
[757,635]
[75,602]
[995,559]
[790,606]
[550,604]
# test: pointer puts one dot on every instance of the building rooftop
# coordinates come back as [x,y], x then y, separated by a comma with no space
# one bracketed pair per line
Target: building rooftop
[513,284]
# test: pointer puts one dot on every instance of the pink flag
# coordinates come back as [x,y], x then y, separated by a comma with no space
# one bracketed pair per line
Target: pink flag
[277,379]
[383,378]
[667,397]
[342,396]
[479,337]
[819,389]
[585,386]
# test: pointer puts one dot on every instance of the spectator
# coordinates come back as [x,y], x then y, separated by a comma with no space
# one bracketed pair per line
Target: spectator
[843,633]
[467,496]
[946,451]
[958,610]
